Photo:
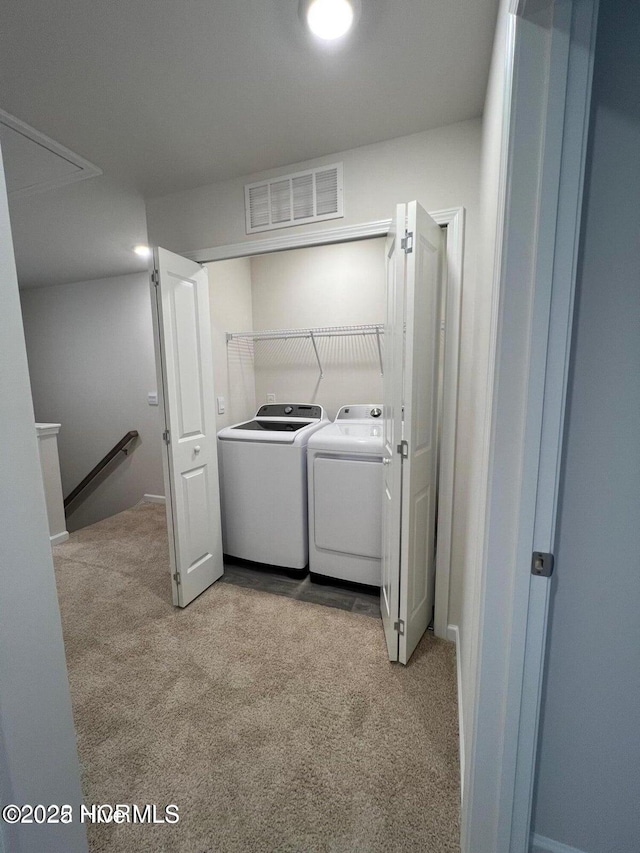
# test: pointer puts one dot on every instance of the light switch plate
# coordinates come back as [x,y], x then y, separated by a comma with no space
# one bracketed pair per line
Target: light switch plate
[221,403]
[152,398]
[271,398]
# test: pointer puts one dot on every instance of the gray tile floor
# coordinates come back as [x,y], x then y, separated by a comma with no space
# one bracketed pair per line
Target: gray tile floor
[364,600]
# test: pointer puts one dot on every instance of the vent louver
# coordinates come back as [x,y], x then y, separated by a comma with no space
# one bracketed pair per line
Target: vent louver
[310,196]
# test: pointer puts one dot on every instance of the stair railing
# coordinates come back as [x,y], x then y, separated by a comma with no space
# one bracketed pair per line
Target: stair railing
[123,446]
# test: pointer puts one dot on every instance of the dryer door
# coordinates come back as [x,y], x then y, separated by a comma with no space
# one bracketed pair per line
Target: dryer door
[348,506]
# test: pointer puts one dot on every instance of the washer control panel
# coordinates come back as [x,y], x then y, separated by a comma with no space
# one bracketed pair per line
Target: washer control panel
[290,410]
[360,412]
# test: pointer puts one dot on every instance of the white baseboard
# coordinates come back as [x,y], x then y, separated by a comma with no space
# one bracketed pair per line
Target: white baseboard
[59,538]
[453,634]
[540,844]
[154,499]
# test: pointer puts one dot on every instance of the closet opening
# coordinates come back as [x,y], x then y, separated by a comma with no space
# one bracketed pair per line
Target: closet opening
[299,321]
[302,329]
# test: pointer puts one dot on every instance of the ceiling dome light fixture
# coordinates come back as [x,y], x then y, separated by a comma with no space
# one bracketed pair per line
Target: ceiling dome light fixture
[330,19]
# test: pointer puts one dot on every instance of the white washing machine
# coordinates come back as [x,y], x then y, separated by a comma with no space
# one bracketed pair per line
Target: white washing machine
[263,484]
[345,496]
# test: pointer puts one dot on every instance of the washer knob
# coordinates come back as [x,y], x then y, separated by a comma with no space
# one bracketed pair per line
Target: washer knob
[288,410]
[375,413]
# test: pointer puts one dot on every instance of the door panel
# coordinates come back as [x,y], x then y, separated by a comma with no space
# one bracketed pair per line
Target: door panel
[410,418]
[184,302]
[185,369]
[419,469]
[392,433]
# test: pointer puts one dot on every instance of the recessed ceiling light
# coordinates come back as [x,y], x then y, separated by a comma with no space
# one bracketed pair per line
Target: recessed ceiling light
[330,19]
[143,251]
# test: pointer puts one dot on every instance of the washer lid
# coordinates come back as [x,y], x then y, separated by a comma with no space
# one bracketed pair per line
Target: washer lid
[275,430]
[266,425]
[349,436]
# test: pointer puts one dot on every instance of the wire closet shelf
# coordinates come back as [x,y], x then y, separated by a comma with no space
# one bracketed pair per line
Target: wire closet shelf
[376,329]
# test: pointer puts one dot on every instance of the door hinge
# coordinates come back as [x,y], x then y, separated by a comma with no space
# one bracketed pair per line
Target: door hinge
[406,242]
[403,449]
[176,578]
[166,436]
[399,627]
[542,564]
[155,278]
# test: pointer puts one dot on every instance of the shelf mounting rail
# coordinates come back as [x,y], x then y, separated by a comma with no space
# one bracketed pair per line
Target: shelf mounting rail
[376,329]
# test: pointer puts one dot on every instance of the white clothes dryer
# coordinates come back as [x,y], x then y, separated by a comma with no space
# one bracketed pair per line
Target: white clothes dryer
[345,497]
[263,484]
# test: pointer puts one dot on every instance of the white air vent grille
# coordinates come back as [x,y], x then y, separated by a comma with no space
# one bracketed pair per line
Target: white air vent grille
[294,199]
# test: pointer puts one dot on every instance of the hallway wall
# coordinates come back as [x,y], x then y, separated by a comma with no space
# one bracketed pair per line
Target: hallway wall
[38,755]
[91,364]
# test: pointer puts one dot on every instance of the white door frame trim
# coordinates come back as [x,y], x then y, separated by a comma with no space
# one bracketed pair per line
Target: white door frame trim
[454,221]
[283,242]
[546,127]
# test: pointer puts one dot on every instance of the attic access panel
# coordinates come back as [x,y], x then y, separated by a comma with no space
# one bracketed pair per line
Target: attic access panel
[34,162]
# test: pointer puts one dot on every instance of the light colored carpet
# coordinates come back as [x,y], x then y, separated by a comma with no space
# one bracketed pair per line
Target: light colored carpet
[275,725]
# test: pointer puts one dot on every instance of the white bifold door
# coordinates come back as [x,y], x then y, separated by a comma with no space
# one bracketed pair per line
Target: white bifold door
[412,333]
[184,358]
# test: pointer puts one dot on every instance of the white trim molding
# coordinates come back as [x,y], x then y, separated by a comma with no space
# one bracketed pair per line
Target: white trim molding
[291,241]
[453,219]
[453,634]
[540,844]
[47,429]
[59,538]
[153,499]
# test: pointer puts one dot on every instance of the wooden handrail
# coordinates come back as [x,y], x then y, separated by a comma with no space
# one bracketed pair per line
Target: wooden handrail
[121,446]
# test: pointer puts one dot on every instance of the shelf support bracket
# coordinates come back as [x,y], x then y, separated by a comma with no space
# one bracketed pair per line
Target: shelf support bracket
[379,350]
[315,349]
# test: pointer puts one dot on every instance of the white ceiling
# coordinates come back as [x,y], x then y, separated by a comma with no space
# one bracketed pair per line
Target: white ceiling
[169,95]
[80,232]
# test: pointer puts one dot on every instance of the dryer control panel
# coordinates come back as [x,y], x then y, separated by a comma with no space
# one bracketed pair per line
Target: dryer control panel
[360,412]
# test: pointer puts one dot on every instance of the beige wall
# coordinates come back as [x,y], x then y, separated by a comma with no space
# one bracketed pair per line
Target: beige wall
[91,363]
[231,311]
[437,167]
[334,285]
[440,168]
